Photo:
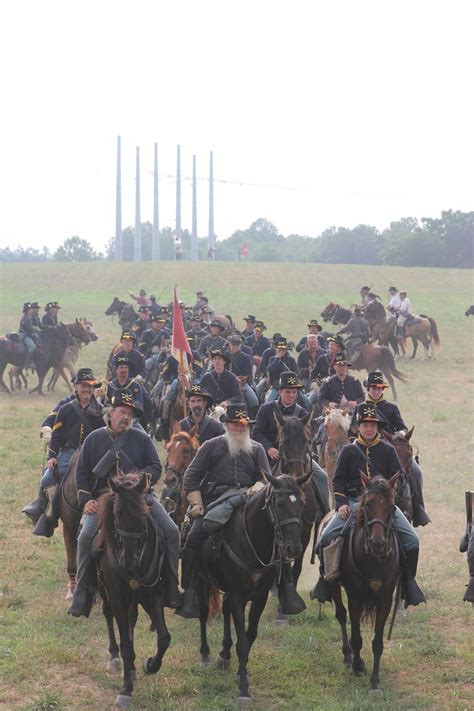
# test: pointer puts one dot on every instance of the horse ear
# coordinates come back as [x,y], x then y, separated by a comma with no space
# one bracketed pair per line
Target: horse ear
[143,482]
[365,479]
[410,432]
[114,485]
[280,419]
[301,480]
[306,418]
[387,435]
[269,477]
[176,427]
[77,320]
[393,480]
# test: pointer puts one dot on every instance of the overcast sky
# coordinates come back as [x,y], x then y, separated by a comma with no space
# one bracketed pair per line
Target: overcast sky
[346,112]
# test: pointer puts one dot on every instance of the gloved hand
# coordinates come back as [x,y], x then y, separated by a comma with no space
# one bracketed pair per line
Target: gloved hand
[45,435]
[255,487]
[197,506]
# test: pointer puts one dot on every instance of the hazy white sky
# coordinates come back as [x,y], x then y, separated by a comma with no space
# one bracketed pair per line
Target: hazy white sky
[361,110]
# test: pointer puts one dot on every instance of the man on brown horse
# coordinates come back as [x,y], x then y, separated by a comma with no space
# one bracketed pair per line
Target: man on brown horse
[358,333]
[392,422]
[199,402]
[74,421]
[372,456]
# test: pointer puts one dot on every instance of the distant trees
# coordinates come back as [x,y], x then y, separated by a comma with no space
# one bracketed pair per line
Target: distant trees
[447,241]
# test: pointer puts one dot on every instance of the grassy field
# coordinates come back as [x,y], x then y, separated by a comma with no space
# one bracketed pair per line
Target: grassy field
[50,661]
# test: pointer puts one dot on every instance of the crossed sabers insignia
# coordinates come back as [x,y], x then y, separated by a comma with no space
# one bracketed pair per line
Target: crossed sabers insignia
[241,413]
[370,412]
[292,381]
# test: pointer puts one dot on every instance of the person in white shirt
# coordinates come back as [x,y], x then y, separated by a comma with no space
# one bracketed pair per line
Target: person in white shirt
[393,303]
[404,311]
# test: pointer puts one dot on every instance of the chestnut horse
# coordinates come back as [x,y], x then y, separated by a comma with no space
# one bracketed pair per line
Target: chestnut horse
[336,427]
[370,570]
[181,450]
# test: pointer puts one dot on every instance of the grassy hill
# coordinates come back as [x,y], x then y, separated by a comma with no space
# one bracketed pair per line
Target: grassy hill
[48,660]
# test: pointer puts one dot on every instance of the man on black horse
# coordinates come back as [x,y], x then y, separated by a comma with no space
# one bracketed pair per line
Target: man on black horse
[74,421]
[50,318]
[314,328]
[124,377]
[392,422]
[128,342]
[28,333]
[225,469]
[265,431]
[108,452]
[199,403]
[373,456]
[222,385]
[35,317]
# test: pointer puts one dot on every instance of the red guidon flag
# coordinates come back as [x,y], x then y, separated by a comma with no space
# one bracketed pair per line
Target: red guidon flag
[179,343]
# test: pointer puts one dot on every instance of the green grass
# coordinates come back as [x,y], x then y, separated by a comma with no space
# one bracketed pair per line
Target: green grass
[50,661]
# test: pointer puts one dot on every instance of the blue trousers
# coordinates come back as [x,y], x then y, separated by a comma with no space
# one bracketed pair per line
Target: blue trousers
[407,534]
[64,457]
[89,527]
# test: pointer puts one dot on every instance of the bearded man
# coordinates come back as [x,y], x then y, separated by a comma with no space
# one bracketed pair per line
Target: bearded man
[225,469]
[199,402]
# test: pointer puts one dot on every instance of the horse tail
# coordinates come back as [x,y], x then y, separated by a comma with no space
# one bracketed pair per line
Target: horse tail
[434,329]
[214,604]
[389,362]
[230,319]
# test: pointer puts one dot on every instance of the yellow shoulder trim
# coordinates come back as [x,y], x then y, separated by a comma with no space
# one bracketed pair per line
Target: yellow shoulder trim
[57,426]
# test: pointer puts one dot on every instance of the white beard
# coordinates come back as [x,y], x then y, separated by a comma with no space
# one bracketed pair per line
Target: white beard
[239,443]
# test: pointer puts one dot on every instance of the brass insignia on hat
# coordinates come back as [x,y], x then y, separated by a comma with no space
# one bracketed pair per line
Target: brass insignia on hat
[370,412]
[378,377]
[240,413]
[292,380]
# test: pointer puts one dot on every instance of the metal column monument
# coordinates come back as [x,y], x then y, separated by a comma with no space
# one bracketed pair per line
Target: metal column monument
[118,209]
[210,238]
[155,245]
[194,237]
[137,252]
[178,199]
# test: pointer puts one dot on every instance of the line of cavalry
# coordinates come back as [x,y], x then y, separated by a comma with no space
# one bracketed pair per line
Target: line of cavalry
[257,443]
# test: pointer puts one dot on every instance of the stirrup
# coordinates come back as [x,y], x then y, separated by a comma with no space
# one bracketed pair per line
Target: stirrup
[189,609]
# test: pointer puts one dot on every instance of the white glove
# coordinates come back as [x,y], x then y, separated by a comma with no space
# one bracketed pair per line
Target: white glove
[45,435]
[255,487]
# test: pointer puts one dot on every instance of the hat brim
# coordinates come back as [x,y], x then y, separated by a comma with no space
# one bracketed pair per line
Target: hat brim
[369,419]
[242,420]
[209,398]
[311,325]
[95,383]
[382,386]
[290,387]
[344,362]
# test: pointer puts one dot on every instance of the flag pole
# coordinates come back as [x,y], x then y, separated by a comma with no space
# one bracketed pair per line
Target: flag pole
[181,382]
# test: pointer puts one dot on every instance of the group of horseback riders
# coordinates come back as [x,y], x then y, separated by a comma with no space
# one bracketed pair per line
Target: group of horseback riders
[31,326]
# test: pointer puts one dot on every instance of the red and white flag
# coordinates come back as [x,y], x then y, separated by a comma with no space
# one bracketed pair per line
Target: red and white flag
[179,342]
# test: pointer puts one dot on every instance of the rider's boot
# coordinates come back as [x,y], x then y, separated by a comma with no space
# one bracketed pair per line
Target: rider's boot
[164,428]
[30,361]
[49,520]
[190,606]
[171,595]
[83,598]
[37,507]
[291,602]
[411,593]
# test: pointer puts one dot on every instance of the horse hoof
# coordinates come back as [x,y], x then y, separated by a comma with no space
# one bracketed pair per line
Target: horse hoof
[377,693]
[347,662]
[205,661]
[244,700]
[145,667]
[122,702]
[114,666]
[69,593]
[222,663]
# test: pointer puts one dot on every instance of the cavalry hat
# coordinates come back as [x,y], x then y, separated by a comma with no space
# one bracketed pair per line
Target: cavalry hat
[235,339]
[313,322]
[392,288]
[143,309]
[26,306]
[218,352]
[367,412]
[128,336]
[198,391]
[260,326]
[158,318]
[205,309]
[123,397]
[199,293]
[85,375]
[236,412]
[365,288]
[204,298]
[336,339]
[35,305]
[217,324]
[123,359]
[250,318]
[341,359]
[276,337]
[195,317]
[375,380]
[52,305]
[288,380]
[281,343]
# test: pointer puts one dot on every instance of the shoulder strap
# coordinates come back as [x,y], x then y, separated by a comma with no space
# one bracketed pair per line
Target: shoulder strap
[118,442]
[82,416]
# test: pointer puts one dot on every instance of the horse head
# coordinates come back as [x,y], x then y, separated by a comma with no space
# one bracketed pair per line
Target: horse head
[89,326]
[79,331]
[181,450]
[328,312]
[401,442]
[294,443]
[129,513]
[376,513]
[284,501]
[115,307]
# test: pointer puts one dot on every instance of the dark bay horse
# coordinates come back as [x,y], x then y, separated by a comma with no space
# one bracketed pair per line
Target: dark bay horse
[70,515]
[256,541]
[404,450]
[49,354]
[336,314]
[180,451]
[370,570]
[130,568]
[126,313]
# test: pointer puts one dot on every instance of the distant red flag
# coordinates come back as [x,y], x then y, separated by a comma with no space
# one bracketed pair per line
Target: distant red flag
[179,343]
[244,249]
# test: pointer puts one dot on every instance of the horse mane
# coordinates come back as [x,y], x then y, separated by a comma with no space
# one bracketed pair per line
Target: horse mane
[105,537]
[183,436]
[338,418]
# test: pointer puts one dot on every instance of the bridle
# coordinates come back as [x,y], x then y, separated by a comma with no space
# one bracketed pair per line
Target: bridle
[388,526]
[150,579]
[304,459]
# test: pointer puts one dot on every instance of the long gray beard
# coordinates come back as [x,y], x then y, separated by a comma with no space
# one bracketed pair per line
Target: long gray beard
[239,443]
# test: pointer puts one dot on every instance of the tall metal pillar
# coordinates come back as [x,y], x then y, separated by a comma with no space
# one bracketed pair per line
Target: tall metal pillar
[210,238]
[118,209]
[138,226]
[155,246]
[178,193]
[194,237]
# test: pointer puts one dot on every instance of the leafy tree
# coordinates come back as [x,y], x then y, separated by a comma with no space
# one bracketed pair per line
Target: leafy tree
[75,249]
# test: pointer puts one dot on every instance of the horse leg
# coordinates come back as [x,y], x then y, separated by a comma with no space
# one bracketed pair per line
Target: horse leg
[383,611]
[358,665]
[114,664]
[298,564]
[414,340]
[256,608]
[3,387]
[203,599]
[69,535]
[223,660]
[127,653]
[341,617]
[155,610]
[237,605]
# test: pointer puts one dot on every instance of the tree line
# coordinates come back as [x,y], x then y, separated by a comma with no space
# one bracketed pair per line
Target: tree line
[431,242]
